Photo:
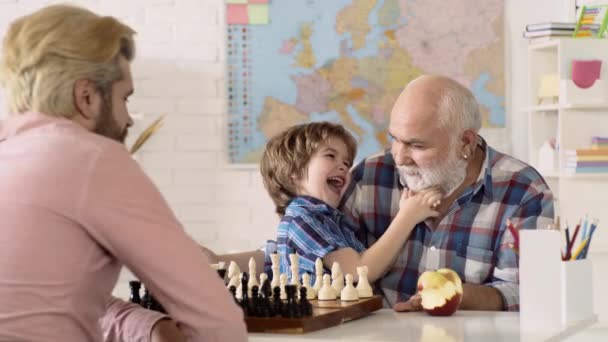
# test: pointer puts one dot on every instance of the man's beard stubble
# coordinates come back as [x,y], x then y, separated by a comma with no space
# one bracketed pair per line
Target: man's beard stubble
[448,175]
[107,125]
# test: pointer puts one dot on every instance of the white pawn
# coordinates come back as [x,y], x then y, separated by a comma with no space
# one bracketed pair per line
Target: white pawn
[349,292]
[274,258]
[233,274]
[318,275]
[253,276]
[363,287]
[294,260]
[337,278]
[283,282]
[311,293]
[327,292]
[263,278]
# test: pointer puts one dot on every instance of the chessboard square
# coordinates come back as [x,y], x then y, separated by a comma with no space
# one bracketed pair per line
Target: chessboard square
[236,1]
[258,14]
[237,14]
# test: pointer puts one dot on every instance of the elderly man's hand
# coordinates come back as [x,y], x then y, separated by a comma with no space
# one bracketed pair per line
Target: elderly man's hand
[413,304]
[166,331]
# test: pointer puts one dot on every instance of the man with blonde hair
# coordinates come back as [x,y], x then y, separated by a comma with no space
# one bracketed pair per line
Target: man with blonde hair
[76,207]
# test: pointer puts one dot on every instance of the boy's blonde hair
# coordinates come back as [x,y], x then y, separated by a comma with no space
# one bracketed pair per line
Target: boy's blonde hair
[287,154]
[46,52]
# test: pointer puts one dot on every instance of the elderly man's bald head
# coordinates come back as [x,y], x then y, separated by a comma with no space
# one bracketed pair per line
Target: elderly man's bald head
[438,99]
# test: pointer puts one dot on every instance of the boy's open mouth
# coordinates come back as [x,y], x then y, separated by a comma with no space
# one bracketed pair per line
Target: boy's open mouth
[336,183]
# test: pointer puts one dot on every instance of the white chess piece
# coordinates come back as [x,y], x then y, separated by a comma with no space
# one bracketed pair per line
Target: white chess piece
[233,274]
[327,292]
[318,274]
[363,287]
[294,261]
[283,282]
[311,293]
[239,289]
[276,273]
[349,292]
[337,278]
[263,278]
[253,281]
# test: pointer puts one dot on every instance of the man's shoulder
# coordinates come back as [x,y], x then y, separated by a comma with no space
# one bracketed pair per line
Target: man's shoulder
[508,168]
[375,169]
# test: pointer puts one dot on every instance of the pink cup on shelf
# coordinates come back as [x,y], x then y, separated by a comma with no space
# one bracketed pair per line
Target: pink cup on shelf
[584,73]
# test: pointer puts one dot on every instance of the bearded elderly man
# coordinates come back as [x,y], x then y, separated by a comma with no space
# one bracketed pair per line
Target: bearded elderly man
[434,129]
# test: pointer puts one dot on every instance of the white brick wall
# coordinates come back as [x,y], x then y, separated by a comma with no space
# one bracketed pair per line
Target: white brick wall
[179,70]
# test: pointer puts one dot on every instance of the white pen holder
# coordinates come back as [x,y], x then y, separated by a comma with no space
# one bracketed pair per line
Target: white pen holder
[553,294]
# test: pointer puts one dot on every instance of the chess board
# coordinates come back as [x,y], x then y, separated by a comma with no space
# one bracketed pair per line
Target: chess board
[325,314]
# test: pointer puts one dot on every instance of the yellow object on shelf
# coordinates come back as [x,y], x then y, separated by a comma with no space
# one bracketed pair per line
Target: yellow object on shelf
[548,88]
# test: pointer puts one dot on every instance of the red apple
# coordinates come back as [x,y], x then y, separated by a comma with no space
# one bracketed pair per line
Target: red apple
[441,292]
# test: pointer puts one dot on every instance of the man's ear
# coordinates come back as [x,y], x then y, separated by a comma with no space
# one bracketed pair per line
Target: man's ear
[87,99]
[469,142]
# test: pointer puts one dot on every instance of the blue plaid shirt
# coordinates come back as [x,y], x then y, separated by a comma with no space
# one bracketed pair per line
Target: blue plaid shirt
[471,239]
[312,229]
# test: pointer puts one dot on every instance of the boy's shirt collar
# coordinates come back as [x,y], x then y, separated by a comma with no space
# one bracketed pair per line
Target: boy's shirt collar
[313,204]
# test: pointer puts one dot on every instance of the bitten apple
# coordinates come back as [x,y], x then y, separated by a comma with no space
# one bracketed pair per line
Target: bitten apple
[441,292]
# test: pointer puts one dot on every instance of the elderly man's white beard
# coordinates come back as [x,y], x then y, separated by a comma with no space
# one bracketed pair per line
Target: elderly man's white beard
[448,175]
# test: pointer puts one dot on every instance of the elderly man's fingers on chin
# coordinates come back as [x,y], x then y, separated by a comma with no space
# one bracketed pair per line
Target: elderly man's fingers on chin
[413,304]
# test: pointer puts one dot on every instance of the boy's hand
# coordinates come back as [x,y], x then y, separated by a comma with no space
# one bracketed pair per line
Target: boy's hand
[412,304]
[421,205]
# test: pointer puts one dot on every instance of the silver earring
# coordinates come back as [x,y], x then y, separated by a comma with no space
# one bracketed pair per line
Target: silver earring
[465,156]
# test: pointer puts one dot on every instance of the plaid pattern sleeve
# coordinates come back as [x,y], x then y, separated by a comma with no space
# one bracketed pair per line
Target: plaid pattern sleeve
[312,229]
[471,239]
[536,211]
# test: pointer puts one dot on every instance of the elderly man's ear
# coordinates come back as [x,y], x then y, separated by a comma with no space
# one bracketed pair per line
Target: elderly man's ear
[469,143]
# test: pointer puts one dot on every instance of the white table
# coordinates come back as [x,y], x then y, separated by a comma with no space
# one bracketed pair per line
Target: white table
[386,325]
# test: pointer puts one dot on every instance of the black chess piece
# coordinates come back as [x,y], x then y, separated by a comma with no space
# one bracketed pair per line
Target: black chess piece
[244,295]
[293,310]
[264,306]
[265,289]
[222,273]
[135,285]
[232,290]
[277,303]
[255,308]
[145,300]
[305,305]
[155,305]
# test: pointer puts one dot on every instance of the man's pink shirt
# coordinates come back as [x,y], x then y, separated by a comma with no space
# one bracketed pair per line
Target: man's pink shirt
[74,208]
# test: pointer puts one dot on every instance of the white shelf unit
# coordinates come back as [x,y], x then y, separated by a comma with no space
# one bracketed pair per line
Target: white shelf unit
[572,122]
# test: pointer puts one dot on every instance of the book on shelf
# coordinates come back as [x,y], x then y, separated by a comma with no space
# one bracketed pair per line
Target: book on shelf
[586,164]
[585,169]
[548,33]
[575,158]
[587,152]
[551,26]
[592,21]
[599,142]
